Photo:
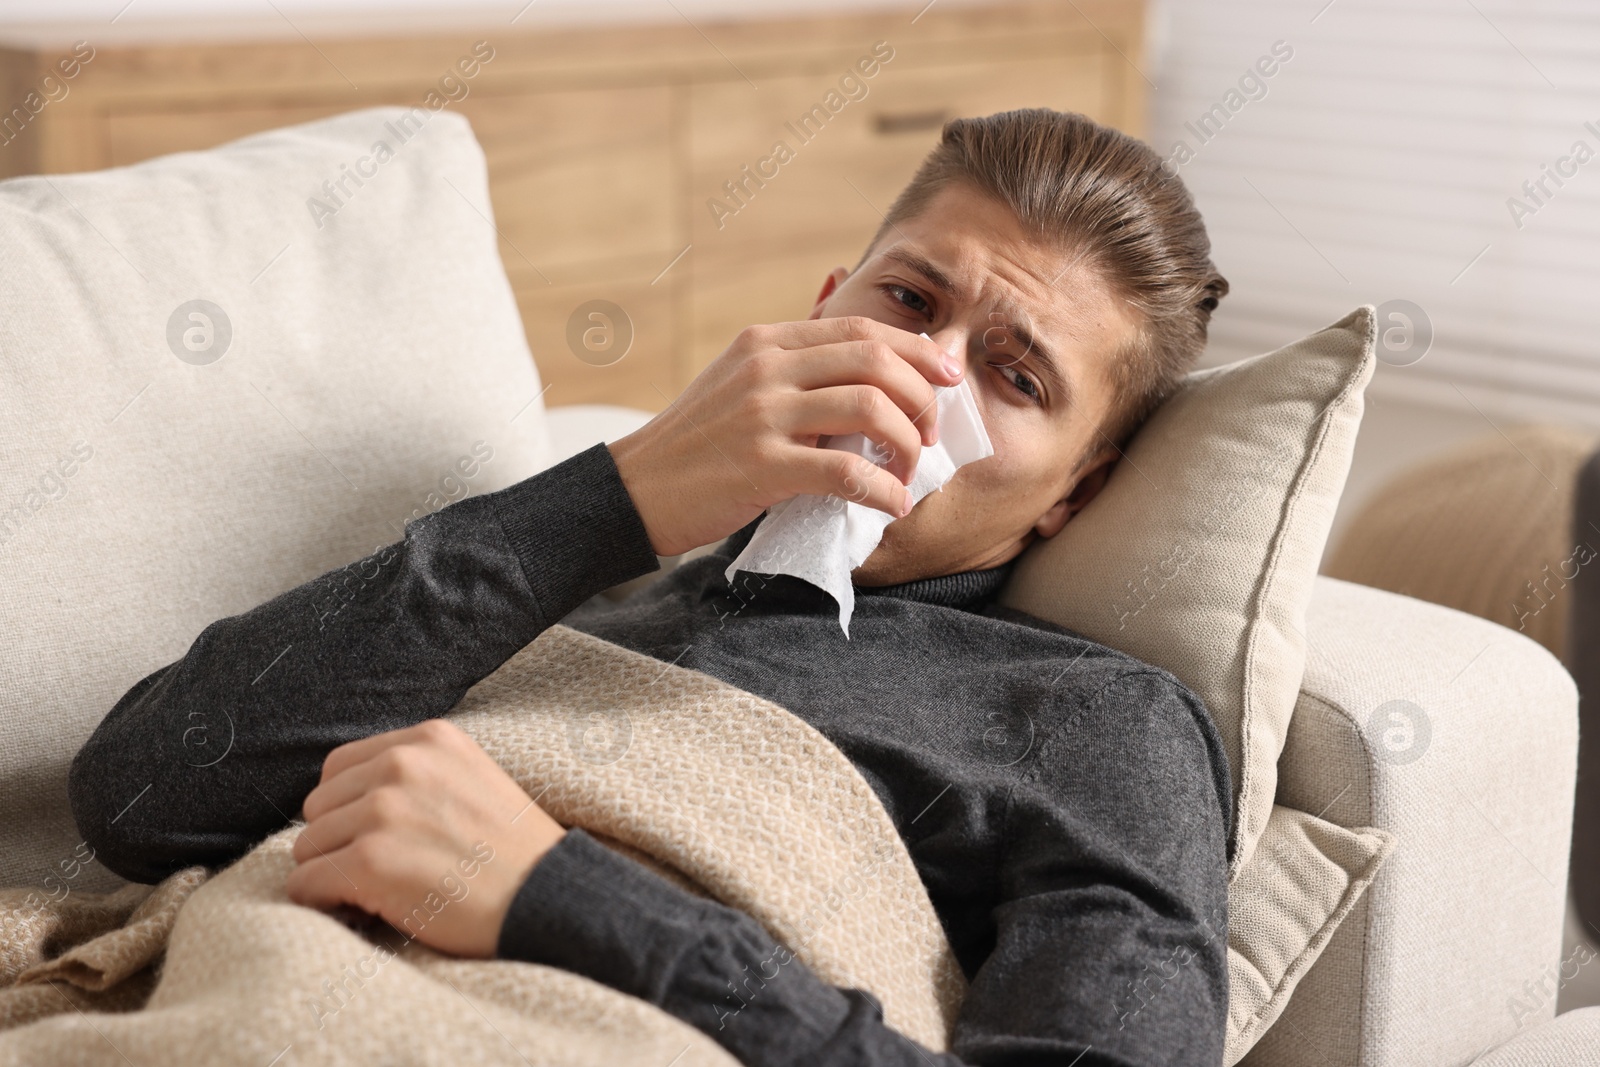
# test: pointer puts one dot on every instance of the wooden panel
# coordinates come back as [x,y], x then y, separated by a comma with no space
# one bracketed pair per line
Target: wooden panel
[144,134]
[23,133]
[738,285]
[855,163]
[633,380]
[573,176]
[579,176]
[244,59]
[73,141]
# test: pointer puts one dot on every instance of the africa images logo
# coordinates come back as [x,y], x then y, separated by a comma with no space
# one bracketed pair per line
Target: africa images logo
[199,332]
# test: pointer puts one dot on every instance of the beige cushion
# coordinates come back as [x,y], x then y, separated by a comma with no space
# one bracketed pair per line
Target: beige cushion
[1198,556]
[1305,876]
[146,495]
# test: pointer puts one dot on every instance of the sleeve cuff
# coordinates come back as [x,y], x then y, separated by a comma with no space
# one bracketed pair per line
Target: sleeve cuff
[575,531]
[586,909]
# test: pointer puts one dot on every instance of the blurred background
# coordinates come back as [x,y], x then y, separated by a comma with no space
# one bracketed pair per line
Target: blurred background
[1427,156]
[683,168]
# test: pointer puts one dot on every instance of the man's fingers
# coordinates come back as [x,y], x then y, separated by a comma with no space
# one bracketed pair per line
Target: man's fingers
[419,759]
[832,472]
[871,363]
[351,753]
[339,790]
[726,451]
[336,827]
[923,354]
[846,409]
[324,883]
[432,731]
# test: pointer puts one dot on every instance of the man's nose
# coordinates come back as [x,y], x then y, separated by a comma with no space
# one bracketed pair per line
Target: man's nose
[954,340]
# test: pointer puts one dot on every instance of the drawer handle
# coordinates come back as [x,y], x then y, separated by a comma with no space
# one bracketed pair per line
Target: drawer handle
[910,121]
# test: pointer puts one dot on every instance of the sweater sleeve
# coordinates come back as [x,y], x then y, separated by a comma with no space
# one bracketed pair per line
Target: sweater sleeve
[589,910]
[211,753]
[1110,944]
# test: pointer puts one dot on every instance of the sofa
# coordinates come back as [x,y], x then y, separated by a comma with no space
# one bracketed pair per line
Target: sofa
[219,454]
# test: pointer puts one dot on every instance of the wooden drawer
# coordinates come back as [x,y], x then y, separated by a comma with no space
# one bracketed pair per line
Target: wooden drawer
[850,170]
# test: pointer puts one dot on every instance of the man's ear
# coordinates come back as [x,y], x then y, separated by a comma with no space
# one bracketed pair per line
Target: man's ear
[829,284]
[1093,479]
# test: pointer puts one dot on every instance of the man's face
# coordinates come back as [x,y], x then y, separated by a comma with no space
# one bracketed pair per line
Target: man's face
[966,273]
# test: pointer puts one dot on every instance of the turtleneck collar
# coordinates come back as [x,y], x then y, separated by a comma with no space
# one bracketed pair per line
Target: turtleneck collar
[968,590]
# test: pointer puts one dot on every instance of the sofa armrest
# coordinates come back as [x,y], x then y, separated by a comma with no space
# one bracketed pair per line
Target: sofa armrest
[1572,1040]
[1456,947]
[575,427]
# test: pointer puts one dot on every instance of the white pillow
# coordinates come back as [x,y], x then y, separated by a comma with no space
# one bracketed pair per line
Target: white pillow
[159,471]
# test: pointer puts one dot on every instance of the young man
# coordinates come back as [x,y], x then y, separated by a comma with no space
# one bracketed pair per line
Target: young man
[1067,806]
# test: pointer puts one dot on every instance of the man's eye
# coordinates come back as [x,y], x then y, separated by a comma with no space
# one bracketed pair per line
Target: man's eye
[1022,382]
[912,300]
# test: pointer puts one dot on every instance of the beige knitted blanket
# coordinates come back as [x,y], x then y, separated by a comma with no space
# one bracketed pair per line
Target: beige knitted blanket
[714,787]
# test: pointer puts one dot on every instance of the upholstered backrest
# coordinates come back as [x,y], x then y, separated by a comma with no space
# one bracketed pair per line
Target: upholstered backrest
[210,393]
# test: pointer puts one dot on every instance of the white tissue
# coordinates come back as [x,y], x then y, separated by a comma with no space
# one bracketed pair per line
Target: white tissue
[821,539]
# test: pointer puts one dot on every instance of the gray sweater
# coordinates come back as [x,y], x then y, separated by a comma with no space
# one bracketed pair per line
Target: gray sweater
[1067,806]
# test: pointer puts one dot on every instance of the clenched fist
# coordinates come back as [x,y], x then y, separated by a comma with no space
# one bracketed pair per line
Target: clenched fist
[421,827]
[744,434]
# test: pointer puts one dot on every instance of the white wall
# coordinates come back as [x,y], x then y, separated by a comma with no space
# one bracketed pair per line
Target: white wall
[1375,164]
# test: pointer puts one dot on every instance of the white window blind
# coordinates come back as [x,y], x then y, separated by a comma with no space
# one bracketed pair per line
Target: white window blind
[1384,160]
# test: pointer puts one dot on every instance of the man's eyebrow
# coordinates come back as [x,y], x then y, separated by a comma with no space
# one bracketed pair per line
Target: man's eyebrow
[924,266]
[1049,366]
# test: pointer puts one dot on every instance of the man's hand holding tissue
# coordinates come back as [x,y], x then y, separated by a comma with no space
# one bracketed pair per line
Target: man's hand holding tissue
[743,436]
